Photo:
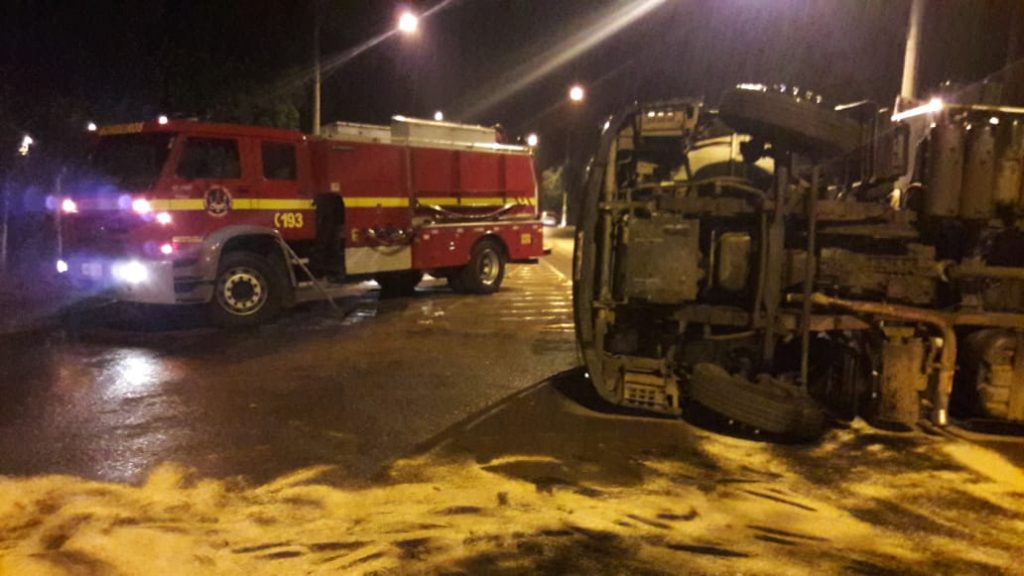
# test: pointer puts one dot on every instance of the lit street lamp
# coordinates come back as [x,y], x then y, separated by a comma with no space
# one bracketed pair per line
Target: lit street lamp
[408,23]
[439,116]
[531,140]
[576,93]
[26,145]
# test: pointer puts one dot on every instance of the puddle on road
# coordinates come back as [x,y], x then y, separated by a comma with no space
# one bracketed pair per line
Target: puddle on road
[360,314]
[130,373]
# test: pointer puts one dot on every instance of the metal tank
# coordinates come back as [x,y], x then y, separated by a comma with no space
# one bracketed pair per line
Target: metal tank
[945,170]
[976,196]
[1009,153]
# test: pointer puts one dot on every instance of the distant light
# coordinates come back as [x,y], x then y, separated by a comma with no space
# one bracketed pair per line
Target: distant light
[164,218]
[68,206]
[167,249]
[754,87]
[408,23]
[439,116]
[576,93]
[607,124]
[934,105]
[161,119]
[131,272]
[141,206]
[26,144]
[62,266]
[532,140]
[91,127]
[993,121]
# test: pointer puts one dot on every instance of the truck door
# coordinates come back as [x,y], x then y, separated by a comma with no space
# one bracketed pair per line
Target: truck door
[210,168]
[285,203]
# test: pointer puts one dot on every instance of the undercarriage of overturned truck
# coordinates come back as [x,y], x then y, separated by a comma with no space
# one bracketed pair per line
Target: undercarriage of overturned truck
[782,263]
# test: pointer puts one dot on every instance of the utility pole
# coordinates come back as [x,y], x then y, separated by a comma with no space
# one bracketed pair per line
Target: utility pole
[908,87]
[316,67]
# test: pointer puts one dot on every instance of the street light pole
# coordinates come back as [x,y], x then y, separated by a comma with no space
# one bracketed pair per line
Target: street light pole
[910,54]
[576,95]
[408,24]
[316,67]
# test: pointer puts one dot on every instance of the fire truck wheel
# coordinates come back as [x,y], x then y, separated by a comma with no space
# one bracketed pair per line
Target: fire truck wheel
[248,291]
[485,270]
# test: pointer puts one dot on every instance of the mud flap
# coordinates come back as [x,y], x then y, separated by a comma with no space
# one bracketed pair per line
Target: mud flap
[767,405]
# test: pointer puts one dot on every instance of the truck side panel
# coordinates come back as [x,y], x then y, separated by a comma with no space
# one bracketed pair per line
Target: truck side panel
[450,245]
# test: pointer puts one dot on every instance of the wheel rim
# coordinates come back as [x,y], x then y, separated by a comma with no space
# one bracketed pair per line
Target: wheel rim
[490,267]
[242,291]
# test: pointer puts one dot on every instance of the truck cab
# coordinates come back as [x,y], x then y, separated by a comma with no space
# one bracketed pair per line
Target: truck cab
[166,198]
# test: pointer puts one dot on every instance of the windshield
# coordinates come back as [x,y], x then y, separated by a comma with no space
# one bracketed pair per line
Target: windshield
[132,160]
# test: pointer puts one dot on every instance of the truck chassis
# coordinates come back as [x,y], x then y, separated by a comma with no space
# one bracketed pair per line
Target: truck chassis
[754,260]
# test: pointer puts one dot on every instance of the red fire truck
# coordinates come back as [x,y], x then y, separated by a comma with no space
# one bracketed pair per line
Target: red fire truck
[184,212]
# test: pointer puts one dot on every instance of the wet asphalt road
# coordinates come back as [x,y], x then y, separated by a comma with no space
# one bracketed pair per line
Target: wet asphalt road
[353,390]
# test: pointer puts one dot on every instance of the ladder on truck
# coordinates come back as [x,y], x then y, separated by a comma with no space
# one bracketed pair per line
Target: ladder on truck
[294,260]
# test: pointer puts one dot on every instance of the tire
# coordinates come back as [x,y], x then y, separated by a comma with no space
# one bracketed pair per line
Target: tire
[768,406]
[485,271]
[984,353]
[398,284]
[783,120]
[249,290]
[455,282]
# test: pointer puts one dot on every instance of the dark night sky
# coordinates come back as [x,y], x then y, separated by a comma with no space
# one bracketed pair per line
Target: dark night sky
[117,60]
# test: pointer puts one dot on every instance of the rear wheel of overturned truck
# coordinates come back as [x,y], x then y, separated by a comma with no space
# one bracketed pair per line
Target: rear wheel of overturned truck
[248,291]
[485,271]
[766,406]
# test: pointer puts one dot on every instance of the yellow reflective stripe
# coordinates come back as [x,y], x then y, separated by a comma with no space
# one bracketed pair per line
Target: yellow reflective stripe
[198,204]
[177,204]
[271,204]
[383,202]
[475,201]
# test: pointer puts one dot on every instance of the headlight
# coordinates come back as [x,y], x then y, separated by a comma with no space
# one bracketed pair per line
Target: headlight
[141,206]
[68,206]
[131,272]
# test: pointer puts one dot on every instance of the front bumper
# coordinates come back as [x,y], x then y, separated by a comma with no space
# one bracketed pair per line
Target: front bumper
[135,280]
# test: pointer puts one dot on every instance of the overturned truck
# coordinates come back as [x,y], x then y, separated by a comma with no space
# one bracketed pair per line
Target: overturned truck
[781,262]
